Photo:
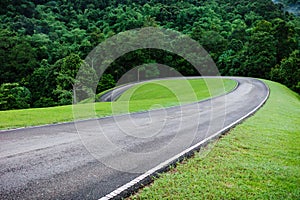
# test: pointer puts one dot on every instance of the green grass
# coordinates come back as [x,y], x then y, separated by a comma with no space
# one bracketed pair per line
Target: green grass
[143,97]
[165,93]
[259,159]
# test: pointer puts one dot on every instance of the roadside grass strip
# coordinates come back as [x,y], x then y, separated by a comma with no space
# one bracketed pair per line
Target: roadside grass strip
[142,97]
[258,159]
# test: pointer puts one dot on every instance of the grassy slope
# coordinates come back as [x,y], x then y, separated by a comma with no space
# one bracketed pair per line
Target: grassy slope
[259,159]
[138,102]
[165,93]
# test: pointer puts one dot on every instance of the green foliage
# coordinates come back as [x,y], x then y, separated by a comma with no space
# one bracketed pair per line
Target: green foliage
[18,58]
[43,83]
[22,97]
[288,72]
[69,86]
[69,67]
[259,56]
[38,116]
[13,96]
[37,38]
[44,102]
[106,82]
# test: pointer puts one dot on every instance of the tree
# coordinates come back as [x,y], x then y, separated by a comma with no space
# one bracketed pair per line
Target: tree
[96,37]
[259,55]
[36,38]
[13,96]
[22,97]
[213,42]
[72,82]
[106,82]
[7,99]
[18,58]
[284,33]
[229,63]
[69,67]
[238,29]
[288,72]
[42,85]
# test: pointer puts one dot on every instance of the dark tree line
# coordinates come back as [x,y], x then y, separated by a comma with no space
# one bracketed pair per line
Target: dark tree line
[43,43]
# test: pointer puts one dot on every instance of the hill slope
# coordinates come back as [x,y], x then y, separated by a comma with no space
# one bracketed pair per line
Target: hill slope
[259,159]
[39,116]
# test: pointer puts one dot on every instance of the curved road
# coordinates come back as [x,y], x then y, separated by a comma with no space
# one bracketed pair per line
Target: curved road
[55,162]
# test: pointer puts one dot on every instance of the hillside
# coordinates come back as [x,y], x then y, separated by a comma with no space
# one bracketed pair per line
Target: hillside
[259,159]
[160,93]
[43,43]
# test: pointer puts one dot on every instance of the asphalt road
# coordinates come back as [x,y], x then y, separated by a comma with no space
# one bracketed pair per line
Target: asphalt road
[89,159]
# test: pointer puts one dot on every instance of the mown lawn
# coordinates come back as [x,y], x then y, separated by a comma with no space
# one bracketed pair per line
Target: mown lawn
[258,159]
[142,97]
[166,93]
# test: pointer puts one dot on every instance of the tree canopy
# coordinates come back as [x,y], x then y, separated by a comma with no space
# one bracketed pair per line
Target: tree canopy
[43,43]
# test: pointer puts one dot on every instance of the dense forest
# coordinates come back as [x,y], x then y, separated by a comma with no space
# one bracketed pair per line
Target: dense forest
[289,2]
[43,43]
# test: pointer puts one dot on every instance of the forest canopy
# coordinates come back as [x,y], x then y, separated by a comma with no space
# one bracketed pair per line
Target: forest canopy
[43,43]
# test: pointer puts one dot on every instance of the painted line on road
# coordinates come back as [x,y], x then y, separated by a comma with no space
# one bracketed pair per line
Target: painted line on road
[131,187]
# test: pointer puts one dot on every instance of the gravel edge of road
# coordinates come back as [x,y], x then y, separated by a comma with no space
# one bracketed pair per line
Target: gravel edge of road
[145,179]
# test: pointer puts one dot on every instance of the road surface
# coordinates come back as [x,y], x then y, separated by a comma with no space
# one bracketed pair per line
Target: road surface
[90,159]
